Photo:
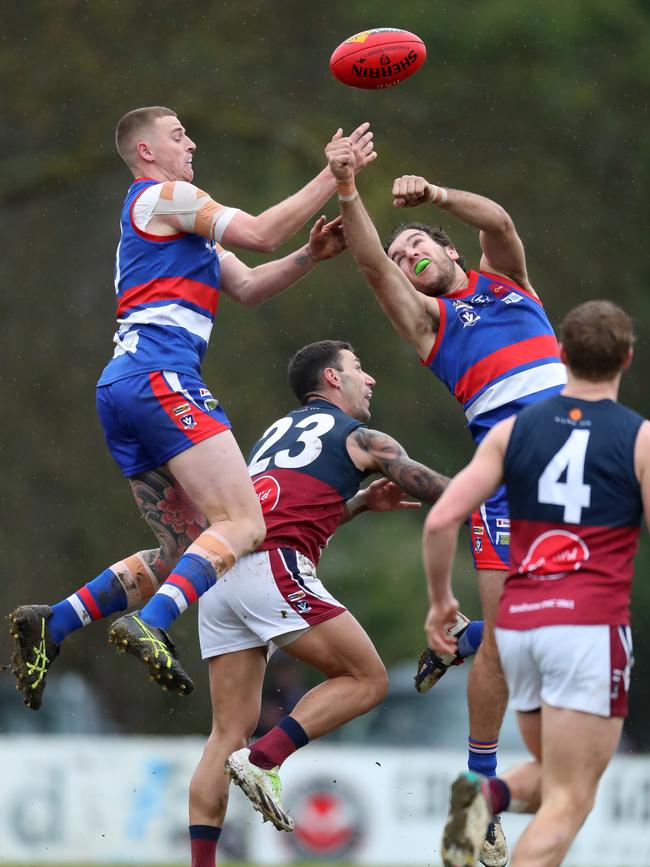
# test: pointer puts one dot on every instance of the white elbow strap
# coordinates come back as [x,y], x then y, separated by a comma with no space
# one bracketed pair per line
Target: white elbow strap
[222,221]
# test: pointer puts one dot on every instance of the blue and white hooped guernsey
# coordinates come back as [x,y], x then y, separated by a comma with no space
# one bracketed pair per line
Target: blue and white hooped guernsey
[167,295]
[495,350]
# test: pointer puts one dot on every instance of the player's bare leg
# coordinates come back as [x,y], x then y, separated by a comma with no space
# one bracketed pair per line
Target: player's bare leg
[39,630]
[214,475]
[356,677]
[235,689]
[576,749]
[487,698]
[356,682]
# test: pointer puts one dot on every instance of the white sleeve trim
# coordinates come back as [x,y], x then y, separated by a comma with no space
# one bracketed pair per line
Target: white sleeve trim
[145,204]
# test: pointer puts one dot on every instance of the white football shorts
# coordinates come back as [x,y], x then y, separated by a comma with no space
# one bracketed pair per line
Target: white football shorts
[584,668]
[268,596]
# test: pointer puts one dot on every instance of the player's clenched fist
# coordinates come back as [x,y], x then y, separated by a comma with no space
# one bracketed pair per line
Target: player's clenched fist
[412,190]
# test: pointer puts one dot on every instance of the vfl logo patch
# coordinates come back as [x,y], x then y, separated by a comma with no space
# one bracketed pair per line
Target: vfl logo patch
[466,313]
[182,408]
[295,597]
[188,421]
[478,545]
[303,607]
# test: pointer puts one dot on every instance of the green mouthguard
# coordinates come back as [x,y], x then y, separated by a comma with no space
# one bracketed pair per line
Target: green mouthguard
[422,264]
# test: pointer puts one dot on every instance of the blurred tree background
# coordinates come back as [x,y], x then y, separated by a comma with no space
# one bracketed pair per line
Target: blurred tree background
[543,107]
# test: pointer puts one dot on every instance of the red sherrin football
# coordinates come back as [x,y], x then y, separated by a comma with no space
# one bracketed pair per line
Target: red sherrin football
[378,58]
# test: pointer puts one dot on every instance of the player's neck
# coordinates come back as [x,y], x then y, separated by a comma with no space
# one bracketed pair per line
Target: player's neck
[585,389]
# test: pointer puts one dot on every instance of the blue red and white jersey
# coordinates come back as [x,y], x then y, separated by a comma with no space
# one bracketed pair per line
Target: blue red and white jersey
[575,510]
[495,350]
[167,291]
[303,476]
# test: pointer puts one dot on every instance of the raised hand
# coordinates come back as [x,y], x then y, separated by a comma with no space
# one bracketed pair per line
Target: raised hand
[340,157]
[326,239]
[363,147]
[412,190]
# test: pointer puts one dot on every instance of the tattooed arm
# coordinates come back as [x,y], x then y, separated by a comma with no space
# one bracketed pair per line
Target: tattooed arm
[378,452]
[253,286]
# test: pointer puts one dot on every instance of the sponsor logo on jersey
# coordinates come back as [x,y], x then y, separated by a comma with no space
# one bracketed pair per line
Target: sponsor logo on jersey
[481,300]
[498,289]
[210,404]
[575,414]
[268,492]
[503,538]
[554,555]
[477,530]
[330,820]
[204,392]
[466,314]
[503,522]
[181,408]
[512,298]
[188,421]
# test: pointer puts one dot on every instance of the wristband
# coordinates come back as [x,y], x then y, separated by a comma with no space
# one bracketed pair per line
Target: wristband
[347,190]
[440,195]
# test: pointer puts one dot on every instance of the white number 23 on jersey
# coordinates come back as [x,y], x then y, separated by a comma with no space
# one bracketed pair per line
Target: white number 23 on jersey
[313,428]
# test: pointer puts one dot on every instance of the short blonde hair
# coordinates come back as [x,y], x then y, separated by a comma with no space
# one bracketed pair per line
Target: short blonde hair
[131,126]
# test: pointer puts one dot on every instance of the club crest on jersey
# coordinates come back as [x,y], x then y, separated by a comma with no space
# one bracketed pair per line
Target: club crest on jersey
[211,245]
[466,314]
[188,421]
[481,300]
[554,554]
[268,492]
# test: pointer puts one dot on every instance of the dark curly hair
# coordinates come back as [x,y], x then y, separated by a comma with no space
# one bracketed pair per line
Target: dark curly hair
[436,233]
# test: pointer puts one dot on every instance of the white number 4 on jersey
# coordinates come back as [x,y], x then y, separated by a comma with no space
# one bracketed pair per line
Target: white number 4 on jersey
[573,494]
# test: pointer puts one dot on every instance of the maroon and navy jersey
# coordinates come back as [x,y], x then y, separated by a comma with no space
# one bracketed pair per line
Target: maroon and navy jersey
[495,350]
[575,512]
[303,476]
[167,294]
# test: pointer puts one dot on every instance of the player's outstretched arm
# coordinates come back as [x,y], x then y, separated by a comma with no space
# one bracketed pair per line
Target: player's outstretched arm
[378,452]
[253,286]
[268,230]
[466,492]
[409,310]
[503,251]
